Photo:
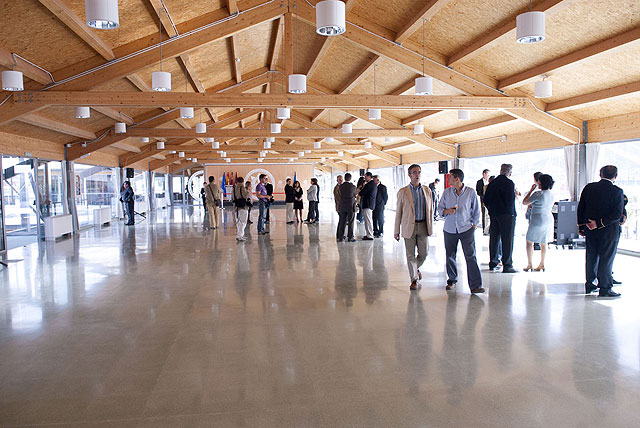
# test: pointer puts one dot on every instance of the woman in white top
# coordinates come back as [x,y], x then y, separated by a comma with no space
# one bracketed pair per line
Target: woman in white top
[540,218]
[312,197]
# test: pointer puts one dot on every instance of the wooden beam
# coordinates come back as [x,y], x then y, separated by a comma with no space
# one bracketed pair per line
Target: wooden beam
[593,98]
[113,114]
[232,7]
[418,116]
[397,146]
[288,44]
[54,125]
[515,143]
[504,30]
[324,47]
[548,123]
[235,58]
[161,163]
[590,51]
[264,133]
[473,126]
[75,24]
[18,64]
[388,157]
[430,8]
[615,128]
[276,43]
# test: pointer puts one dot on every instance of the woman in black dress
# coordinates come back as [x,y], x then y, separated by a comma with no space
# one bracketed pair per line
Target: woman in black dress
[297,204]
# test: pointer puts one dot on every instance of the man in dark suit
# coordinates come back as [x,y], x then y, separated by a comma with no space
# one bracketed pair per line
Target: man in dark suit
[434,191]
[269,188]
[368,204]
[484,181]
[378,212]
[600,211]
[346,209]
[500,200]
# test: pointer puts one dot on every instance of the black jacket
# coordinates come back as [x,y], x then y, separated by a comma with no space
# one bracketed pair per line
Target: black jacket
[347,197]
[368,195]
[289,194]
[480,188]
[500,197]
[603,202]
[381,197]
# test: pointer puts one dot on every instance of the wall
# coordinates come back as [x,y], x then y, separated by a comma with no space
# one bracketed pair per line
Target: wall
[279,172]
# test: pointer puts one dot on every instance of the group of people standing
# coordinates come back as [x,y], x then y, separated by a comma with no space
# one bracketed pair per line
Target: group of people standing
[293,200]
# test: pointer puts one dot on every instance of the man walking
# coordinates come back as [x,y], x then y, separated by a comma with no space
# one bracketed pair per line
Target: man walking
[414,216]
[600,211]
[500,200]
[434,191]
[368,203]
[378,212]
[461,211]
[289,199]
[480,186]
[241,200]
[212,192]
[263,203]
[346,209]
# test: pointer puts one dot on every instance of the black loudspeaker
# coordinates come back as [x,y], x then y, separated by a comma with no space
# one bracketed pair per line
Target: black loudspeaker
[443,167]
[362,171]
[130,173]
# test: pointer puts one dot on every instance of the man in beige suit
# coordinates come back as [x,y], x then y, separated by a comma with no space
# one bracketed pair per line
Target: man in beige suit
[212,192]
[414,213]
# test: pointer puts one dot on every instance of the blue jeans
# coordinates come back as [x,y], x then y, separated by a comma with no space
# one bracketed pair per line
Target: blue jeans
[262,209]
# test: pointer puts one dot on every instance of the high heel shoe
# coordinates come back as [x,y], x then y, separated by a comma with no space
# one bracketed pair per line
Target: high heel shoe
[539,268]
[528,268]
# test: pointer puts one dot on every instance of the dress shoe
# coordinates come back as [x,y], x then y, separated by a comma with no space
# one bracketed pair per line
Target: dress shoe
[340,240]
[414,285]
[509,270]
[590,288]
[608,293]
[352,239]
[492,266]
[477,290]
[375,235]
[616,282]
[450,285]
[290,222]
[366,238]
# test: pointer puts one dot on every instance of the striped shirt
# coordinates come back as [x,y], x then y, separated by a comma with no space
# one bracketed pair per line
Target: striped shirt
[419,202]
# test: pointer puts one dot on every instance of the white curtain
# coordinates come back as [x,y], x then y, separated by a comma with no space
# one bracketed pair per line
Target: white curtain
[570,154]
[399,177]
[593,151]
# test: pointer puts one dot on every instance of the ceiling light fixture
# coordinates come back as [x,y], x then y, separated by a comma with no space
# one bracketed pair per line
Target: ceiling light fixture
[340,154]
[83,112]
[121,128]
[227,160]
[367,145]
[543,88]
[388,140]
[329,139]
[102,14]
[347,128]
[297,82]
[276,128]
[180,154]
[530,26]
[424,84]
[418,129]
[260,160]
[464,114]
[283,113]
[330,18]
[144,139]
[317,144]
[160,80]
[12,81]
[374,113]
[209,140]
[215,145]
[271,139]
[267,144]
[186,112]
[160,145]
[301,154]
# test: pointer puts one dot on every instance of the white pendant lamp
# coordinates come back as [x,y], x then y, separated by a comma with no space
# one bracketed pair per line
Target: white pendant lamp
[347,128]
[271,139]
[464,114]
[276,128]
[195,160]
[215,145]
[317,144]
[186,112]
[180,154]
[424,85]
[267,144]
[530,27]
[160,145]
[307,151]
[263,154]
[12,81]
[260,160]
[161,81]
[323,159]
[301,154]
[283,113]
[144,139]
[201,128]
[208,140]
[330,18]
[173,152]
[102,14]
[121,128]
[227,160]
[223,154]
[418,129]
[83,112]
[329,139]
[297,83]
[375,114]
[543,89]
[340,154]
[291,159]
[367,144]
[388,140]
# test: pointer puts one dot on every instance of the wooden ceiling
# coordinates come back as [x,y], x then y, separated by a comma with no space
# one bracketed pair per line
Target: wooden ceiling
[224,49]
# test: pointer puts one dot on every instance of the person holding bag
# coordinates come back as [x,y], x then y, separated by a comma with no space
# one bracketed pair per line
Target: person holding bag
[212,192]
[242,202]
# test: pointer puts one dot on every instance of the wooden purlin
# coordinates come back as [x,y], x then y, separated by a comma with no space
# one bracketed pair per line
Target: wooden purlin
[473,126]
[161,163]
[430,8]
[18,64]
[57,126]
[593,98]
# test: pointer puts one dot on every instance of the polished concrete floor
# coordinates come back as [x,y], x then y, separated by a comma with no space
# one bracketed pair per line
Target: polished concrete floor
[164,325]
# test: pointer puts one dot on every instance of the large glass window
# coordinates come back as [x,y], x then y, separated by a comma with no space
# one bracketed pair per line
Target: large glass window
[160,190]
[177,188]
[140,189]
[95,187]
[19,192]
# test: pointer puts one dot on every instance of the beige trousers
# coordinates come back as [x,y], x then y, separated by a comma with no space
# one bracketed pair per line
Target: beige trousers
[420,240]
[214,216]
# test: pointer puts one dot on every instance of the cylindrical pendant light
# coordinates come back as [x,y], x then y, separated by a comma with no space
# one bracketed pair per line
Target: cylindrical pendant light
[323,159]
[12,81]
[180,154]
[330,18]
[186,112]
[464,114]
[347,128]
[283,113]
[367,144]
[307,151]
[530,27]
[317,144]
[215,145]
[291,159]
[418,129]
[267,144]
[201,128]
[209,140]
[195,160]
[260,160]
[340,154]
[121,128]
[271,139]
[388,140]
[227,160]
[301,154]
[173,152]
[83,112]
[375,114]
[223,154]
[263,154]
[160,145]
[424,85]
[144,139]
[102,14]
[329,139]
[276,128]
[543,89]
[161,81]
[297,83]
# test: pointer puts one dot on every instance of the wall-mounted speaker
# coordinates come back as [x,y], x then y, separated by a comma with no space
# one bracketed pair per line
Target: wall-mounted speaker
[130,173]
[443,167]
[362,172]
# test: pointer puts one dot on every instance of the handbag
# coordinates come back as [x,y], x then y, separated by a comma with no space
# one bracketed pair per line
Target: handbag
[238,202]
[218,203]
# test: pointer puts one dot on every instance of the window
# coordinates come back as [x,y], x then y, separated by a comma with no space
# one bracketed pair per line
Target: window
[95,187]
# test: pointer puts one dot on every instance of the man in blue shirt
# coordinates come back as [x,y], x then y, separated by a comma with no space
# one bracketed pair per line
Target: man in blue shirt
[263,203]
[461,211]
